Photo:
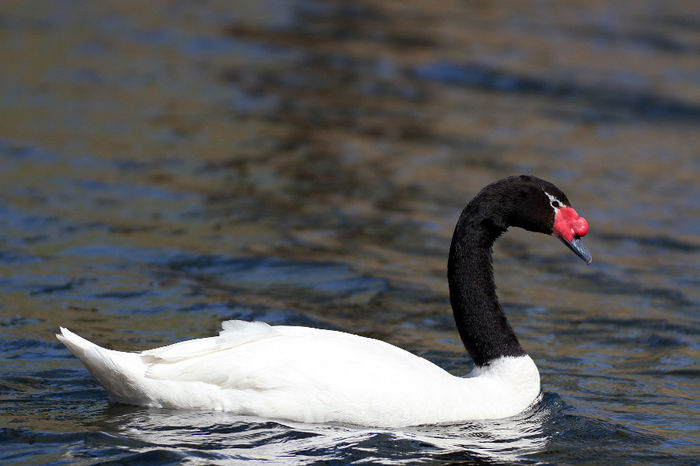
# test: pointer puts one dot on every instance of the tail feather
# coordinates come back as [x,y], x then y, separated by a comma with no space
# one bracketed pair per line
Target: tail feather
[118,372]
[75,343]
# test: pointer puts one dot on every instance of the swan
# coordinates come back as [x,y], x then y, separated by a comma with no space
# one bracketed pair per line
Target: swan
[321,376]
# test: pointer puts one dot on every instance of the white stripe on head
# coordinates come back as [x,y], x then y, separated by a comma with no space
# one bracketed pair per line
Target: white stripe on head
[554,202]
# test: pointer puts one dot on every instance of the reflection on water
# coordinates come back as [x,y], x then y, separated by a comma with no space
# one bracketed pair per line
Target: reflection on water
[164,167]
[138,434]
[213,436]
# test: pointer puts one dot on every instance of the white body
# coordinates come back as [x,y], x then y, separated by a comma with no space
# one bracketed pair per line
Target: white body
[308,375]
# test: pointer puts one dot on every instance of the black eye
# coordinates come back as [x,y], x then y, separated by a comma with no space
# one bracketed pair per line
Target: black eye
[556,204]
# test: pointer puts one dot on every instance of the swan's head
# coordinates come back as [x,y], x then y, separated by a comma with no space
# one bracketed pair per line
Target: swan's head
[542,207]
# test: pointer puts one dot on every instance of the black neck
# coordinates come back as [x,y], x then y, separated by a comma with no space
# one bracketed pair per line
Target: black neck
[483,326]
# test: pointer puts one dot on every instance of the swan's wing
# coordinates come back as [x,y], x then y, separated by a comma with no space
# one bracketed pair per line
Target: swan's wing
[235,333]
[253,355]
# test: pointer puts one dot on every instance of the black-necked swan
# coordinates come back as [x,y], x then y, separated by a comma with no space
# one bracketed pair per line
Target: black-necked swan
[313,375]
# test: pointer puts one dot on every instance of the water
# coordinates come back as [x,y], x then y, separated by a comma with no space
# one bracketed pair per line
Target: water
[167,166]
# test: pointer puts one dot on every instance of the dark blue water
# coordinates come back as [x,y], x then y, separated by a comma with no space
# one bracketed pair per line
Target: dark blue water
[165,166]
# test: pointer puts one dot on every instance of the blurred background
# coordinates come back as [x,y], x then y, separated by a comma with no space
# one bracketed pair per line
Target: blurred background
[168,165]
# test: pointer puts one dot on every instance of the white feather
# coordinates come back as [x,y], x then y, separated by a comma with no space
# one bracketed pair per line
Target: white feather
[308,375]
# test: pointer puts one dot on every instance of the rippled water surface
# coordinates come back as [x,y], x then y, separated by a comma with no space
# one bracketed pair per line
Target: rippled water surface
[165,166]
